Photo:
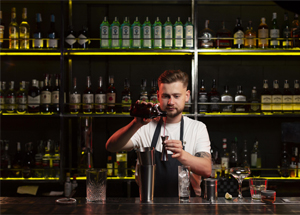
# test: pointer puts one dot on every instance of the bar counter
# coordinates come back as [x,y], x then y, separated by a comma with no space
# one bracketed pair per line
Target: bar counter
[197,205]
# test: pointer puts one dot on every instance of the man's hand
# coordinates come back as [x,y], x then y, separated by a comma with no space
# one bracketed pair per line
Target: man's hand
[174,146]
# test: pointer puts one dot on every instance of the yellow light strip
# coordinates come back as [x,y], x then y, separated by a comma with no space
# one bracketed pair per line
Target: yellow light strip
[252,53]
[108,178]
[30,53]
[276,178]
[129,53]
[231,114]
[28,114]
[30,179]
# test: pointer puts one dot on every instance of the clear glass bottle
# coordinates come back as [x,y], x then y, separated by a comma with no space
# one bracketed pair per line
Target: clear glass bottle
[238,34]
[224,160]
[255,160]
[266,98]
[295,31]
[52,41]
[205,36]
[105,34]
[83,38]
[168,34]
[2,28]
[240,98]
[55,95]
[126,34]
[17,162]
[136,34]
[157,34]
[46,97]
[245,156]
[24,31]
[88,97]
[146,34]
[178,34]
[276,97]
[226,97]
[75,99]
[214,98]
[263,34]
[126,97]
[223,33]
[143,91]
[188,34]
[202,98]
[100,98]
[115,34]
[296,97]
[37,34]
[10,99]
[287,98]
[250,36]
[254,101]
[111,96]
[286,32]
[13,31]
[153,92]
[274,33]
[33,97]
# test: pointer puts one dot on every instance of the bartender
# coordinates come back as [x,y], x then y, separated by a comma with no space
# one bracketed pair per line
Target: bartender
[188,142]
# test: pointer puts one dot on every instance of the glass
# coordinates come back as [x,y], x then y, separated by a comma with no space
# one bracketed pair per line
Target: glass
[96,185]
[256,187]
[268,196]
[184,183]
[239,173]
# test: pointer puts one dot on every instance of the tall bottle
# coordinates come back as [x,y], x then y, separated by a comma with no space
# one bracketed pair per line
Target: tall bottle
[105,35]
[24,31]
[70,38]
[188,34]
[202,98]
[295,31]
[126,34]
[38,157]
[2,28]
[250,36]
[214,97]
[115,34]
[52,40]
[88,97]
[168,34]
[263,34]
[13,31]
[224,160]
[266,98]
[147,34]
[238,34]
[17,162]
[75,99]
[178,34]
[255,159]
[153,92]
[254,101]
[126,97]
[136,34]
[294,163]
[240,98]
[55,95]
[100,97]
[37,34]
[233,158]
[146,111]
[205,36]
[83,38]
[67,186]
[285,162]
[5,163]
[287,98]
[245,156]
[276,97]
[46,97]
[2,99]
[111,96]
[143,92]
[274,33]
[296,97]
[33,97]
[10,99]
[286,32]
[157,34]
[223,33]
[28,162]
[226,97]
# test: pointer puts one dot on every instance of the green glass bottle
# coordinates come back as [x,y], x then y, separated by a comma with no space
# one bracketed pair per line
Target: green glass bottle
[105,36]
[146,34]
[115,34]
[188,33]
[274,33]
[126,34]
[157,34]
[178,34]
[136,34]
[167,34]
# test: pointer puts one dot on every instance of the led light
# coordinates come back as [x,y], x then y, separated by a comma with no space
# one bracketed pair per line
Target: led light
[129,53]
[31,53]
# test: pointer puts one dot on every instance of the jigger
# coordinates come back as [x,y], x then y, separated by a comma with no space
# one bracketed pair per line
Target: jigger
[164,153]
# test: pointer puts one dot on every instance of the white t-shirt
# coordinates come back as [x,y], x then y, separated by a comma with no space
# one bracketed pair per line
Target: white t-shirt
[195,136]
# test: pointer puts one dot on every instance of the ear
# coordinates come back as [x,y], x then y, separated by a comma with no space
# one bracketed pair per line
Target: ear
[187,95]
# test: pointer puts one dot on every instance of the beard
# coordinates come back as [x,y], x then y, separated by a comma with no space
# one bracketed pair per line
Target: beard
[174,113]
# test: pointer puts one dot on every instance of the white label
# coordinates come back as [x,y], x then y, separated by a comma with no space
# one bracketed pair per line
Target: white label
[100,98]
[55,97]
[111,98]
[88,98]
[238,38]
[274,33]
[104,36]
[115,31]
[168,36]
[52,43]
[82,39]
[147,36]
[21,100]
[240,98]
[189,36]
[70,39]
[126,99]
[136,36]
[75,99]
[144,98]
[287,102]
[125,36]
[37,43]
[276,102]
[157,36]
[266,101]
[253,160]
[296,102]
[153,99]
[226,98]
[206,42]
[179,36]
[34,101]
[45,97]
[263,33]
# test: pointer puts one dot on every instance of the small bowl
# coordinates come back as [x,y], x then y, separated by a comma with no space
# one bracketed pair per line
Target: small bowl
[268,196]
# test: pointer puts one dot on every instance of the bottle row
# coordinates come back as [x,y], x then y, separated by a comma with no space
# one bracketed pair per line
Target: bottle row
[239,155]
[40,160]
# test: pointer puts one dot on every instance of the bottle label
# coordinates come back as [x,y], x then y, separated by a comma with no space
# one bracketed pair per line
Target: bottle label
[115,31]
[296,102]
[153,99]
[249,41]
[206,42]
[70,39]
[136,36]
[168,36]
[2,100]
[240,98]
[82,39]
[37,43]
[104,36]
[125,36]
[52,43]
[13,34]
[226,98]
[34,101]
[144,98]
[214,107]
[263,33]
[287,102]
[109,167]
[126,102]
[225,162]
[147,36]
[189,42]
[274,33]
[276,102]
[203,108]
[179,36]
[111,98]
[254,160]
[10,102]
[238,38]
[100,98]
[88,98]
[266,101]
[1,33]
[55,97]
[157,36]
[254,107]
[75,99]
[45,97]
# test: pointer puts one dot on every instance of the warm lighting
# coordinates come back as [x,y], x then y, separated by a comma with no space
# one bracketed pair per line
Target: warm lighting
[29,179]
[108,178]
[129,53]
[31,53]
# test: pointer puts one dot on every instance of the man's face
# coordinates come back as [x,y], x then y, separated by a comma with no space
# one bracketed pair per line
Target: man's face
[172,98]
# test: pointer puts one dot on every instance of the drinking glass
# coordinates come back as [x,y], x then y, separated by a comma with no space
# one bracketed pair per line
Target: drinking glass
[96,185]
[239,173]
[184,183]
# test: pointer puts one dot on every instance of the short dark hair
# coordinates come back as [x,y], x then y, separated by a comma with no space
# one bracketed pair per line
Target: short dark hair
[171,76]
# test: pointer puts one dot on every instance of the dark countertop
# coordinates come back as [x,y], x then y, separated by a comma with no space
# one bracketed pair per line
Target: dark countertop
[197,205]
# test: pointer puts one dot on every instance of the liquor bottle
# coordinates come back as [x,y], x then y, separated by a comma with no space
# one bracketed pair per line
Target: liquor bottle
[254,101]
[146,111]
[233,158]
[5,164]
[17,162]
[263,34]
[238,34]
[126,97]
[52,40]
[255,159]
[250,36]
[28,162]
[202,98]
[213,164]
[111,96]
[245,156]
[294,163]
[296,97]
[295,31]
[115,34]
[100,98]
[287,98]
[153,92]
[2,99]
[109,166]
[56,160]
[240,98]
[168,34]
[188,34]
[146,34]
[46,159]
[274,33]
[24,31]
[1,30]
[121,158]
[157,34]
[33,97]
[286,32]
[13,31]
[105,36]
[38,157]
[136,34]
[75,99]
[205,36]
[285,162]
[266,98]
[224,160]
[45,107]
[143,92]
[178,34]
[10,99]
[21,99]
[67,186]
[83,38]
[88,98]
[223,33]
[126,34]
[37,34]
[226,97]
[214,98]
[70,38]
[276,97]
[55,95]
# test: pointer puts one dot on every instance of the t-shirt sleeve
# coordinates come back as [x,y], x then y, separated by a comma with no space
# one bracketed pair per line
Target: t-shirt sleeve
[202,142]
[136,139]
